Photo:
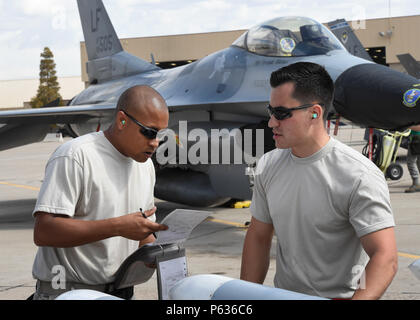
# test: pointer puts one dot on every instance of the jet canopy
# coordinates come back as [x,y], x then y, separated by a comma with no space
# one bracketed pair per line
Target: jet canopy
[289,37]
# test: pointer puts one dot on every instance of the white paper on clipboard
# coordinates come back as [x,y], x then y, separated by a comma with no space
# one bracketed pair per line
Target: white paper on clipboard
[169,273]
[181,223]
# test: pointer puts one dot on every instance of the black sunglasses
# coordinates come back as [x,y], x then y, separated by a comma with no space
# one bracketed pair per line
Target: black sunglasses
[149,133]
[281,113]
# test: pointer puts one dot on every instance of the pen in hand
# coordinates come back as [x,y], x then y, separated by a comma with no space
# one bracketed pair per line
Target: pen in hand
[144,216]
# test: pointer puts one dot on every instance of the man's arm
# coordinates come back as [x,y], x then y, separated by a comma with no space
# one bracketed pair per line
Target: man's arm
[63,232]
[382,266]
[415,128]
[256,251]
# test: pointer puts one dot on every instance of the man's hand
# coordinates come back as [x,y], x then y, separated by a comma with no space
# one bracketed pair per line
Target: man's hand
[135,227]
[63,232]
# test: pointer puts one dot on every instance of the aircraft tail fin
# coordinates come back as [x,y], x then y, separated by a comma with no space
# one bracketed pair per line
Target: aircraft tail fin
[106,58]
[347,37]
[100,37]
[410,64]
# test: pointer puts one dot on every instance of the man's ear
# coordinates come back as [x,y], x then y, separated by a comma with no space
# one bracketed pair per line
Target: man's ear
[120,120]
[317,112]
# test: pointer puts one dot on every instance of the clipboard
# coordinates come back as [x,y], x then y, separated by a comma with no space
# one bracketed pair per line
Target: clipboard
[133,271]
[171,267]
[166,252]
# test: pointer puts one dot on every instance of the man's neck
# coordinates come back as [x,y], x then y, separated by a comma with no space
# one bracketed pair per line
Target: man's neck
[311,146]
[111,138]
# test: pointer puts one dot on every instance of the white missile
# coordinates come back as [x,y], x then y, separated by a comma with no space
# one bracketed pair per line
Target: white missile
[206,287]
[85,294]
[216,287]
[415,268]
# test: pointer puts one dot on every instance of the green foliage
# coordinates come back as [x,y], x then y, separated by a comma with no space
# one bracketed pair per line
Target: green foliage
[48,84]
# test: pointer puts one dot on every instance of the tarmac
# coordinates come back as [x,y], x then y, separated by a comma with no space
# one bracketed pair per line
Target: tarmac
[214,247]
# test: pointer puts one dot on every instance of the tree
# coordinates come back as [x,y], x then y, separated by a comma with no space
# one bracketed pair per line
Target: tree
[48,84]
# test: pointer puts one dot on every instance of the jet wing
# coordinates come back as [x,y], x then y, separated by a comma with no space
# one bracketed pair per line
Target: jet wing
[20,127]
[82,113]
[68,114]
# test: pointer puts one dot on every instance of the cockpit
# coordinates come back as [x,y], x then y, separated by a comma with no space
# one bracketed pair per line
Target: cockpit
[289,37]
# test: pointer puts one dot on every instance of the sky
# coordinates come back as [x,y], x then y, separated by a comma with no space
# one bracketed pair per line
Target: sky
[27,26]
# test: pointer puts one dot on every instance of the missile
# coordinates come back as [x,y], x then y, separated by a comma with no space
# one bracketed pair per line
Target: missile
[85,294]
[206,287]
[415,268]
[217,287]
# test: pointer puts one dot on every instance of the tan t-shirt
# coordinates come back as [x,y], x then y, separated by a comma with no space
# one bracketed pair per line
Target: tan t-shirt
[88,179]
[320,206]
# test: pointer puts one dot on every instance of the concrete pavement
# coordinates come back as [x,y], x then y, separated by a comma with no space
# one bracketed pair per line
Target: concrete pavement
[214,246]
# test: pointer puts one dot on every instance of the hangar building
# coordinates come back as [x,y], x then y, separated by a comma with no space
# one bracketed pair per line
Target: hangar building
[383,39]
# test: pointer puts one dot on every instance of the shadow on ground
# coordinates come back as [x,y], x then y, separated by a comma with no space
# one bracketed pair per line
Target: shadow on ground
[16,214]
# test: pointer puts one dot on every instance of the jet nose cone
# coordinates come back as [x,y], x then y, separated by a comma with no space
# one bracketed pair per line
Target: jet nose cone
[378,97]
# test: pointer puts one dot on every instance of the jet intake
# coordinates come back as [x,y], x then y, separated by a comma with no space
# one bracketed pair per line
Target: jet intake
[378,97]
[187,187]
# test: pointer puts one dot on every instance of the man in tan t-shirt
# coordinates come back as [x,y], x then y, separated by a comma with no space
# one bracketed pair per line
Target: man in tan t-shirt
[327,205]
[87,218]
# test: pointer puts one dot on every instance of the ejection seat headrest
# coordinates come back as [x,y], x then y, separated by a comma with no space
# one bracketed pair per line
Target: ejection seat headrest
[311,31]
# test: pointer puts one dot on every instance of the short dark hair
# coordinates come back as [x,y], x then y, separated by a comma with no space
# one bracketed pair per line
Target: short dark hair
[312,83]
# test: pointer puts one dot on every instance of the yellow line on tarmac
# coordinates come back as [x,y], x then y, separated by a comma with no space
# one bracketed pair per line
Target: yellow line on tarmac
[19,186]
[241,225]
[407,255]
[231,223]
